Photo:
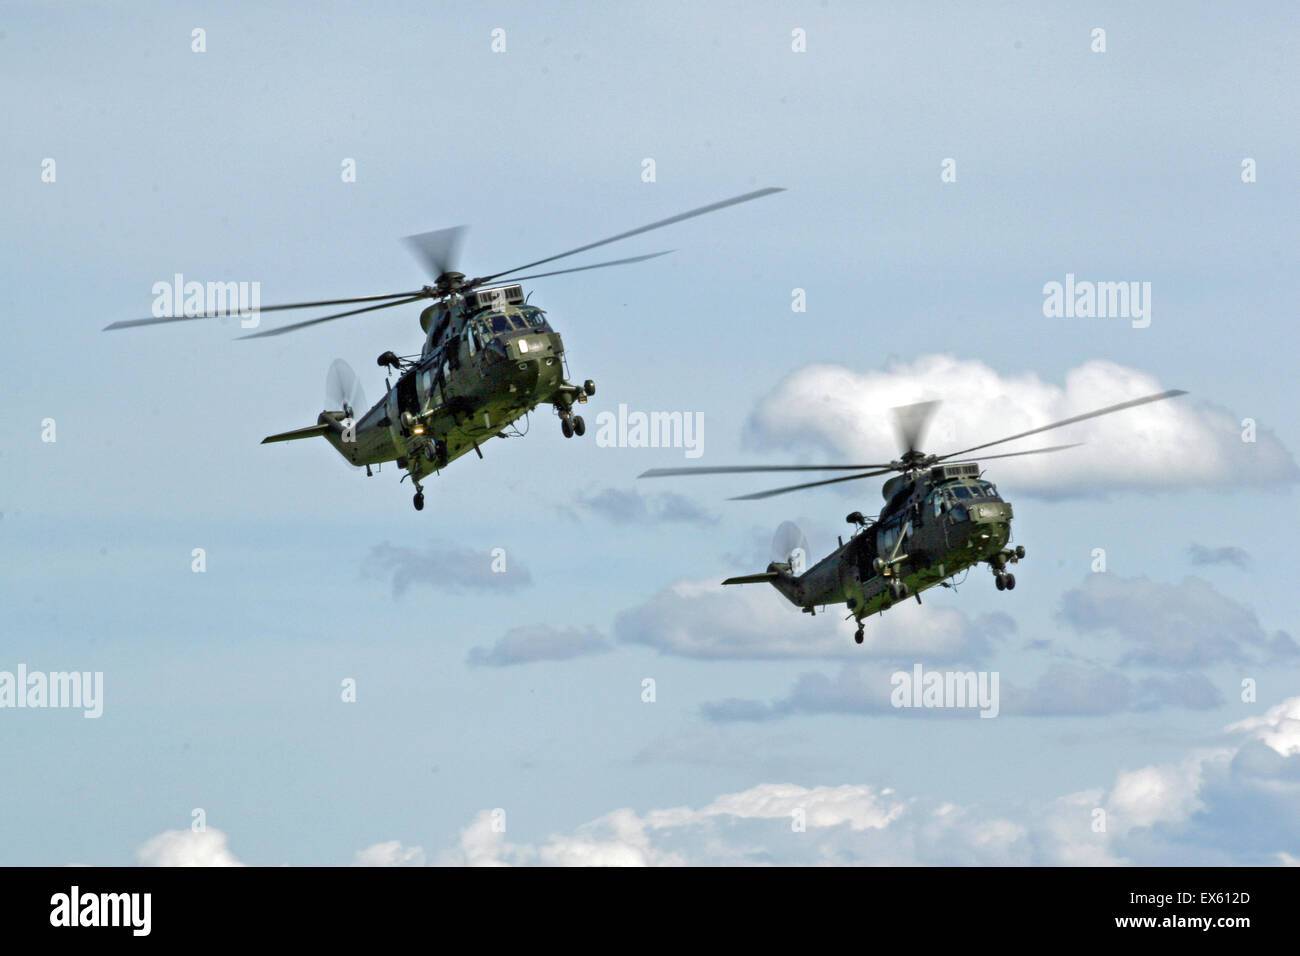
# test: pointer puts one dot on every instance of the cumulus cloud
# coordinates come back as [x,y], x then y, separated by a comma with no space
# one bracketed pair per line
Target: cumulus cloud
[1236,803]
[528,644]
[187,848]
[1215,805]
[1189,624]
[445,568]
[1062,691]
[1237,557]
[631,507]
[483,843]
[703,619]
[389,853]
[1177,443]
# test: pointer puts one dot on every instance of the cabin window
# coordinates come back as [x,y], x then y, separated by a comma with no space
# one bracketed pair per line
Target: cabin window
[889,536]
[938,504]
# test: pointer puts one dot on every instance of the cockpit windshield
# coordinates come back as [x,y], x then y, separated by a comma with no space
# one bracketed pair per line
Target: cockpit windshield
[534,318]
[980,489]
[524,320]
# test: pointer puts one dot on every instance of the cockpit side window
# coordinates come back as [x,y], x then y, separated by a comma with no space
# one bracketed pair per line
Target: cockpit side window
[961,491]
[500,323]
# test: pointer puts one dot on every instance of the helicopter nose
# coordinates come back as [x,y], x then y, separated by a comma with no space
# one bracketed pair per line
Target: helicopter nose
[990,512]
[530,347]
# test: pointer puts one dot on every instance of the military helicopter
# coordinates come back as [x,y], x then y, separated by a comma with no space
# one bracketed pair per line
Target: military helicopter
[489,358]
[940,517]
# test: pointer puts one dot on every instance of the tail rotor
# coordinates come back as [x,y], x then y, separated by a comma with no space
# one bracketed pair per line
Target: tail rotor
[343,393]
[343,390]
[790,546]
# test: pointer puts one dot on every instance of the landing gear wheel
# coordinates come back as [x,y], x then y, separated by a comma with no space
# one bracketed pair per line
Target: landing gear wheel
[857,635]
[1001,581]
[418,501]
[1010,580]
[1020,552]
[566,426]
[589,387]
[579,426]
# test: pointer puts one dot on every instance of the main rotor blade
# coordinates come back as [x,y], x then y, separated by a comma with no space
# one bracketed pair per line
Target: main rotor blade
[744,469]
[598,265]
[910,423]
[338,315]
[812,484]
[436,250]
[1017,454]
[712,207]
[158,320]
[1132,403]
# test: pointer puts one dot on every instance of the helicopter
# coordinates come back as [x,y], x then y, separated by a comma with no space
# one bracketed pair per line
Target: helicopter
[489,358]
[941,517]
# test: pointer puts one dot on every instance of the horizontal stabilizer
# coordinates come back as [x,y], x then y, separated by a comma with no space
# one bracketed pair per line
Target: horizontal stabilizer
[762,578]
[311,431]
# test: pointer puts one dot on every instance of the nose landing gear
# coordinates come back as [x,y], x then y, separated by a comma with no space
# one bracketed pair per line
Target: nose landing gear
[571,424]
[1004,579]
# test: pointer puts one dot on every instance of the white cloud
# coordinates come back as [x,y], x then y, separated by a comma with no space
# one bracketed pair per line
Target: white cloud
[1156,794]
[1189,624]
[187,848]
[1204,808]
[1278,728]
[1219,805]
[1062,690]
[483,843]
[538,642]
[860,807]
[389,853]
[703,619]
[1181,442]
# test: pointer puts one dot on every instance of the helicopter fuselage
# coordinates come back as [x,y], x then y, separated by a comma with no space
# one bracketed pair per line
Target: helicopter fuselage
[936,524]
[483,366]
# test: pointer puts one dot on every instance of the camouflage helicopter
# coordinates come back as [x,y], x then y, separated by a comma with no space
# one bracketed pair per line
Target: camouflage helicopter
[489,358]
[940,518]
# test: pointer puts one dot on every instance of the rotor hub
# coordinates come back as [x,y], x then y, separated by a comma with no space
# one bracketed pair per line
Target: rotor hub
[913,460]
[449,283]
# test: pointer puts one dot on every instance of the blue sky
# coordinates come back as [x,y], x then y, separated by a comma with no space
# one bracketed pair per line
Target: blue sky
[222,689]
